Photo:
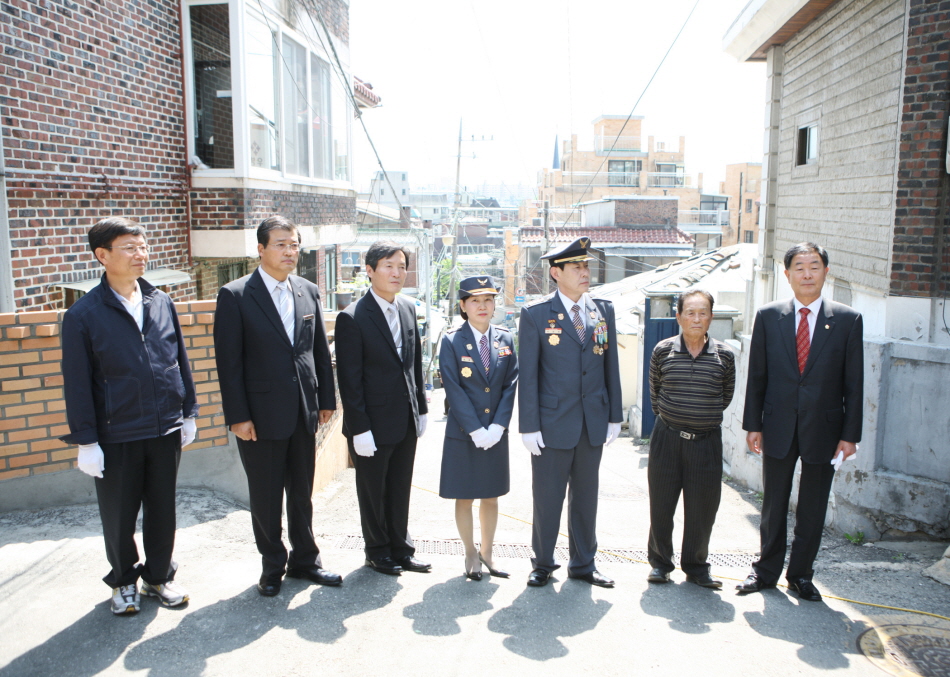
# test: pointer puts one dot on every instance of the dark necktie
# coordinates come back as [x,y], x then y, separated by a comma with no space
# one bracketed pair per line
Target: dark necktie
[484,352]
[578,325]
[803,340]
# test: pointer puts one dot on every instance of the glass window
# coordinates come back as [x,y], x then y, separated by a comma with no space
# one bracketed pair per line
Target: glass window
[296,113]
[262,95]
[322,129]
[211,59]
[342,112]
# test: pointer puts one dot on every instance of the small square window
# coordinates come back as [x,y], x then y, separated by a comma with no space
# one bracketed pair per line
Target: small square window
[748,206]
[807,151]
[749,236]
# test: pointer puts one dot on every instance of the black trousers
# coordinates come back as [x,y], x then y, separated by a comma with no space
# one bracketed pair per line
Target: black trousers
[140,474]
[693,468]
[276,467]
[813,490]
[383,484]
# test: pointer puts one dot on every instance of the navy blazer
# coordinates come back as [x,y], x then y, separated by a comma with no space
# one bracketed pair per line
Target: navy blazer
[823,404]
[264,377]
[477,400]
[565,383]
[379,391]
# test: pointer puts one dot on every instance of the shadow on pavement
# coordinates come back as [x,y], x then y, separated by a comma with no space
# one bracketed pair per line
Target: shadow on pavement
[688,607]
[444,603]
[815,626]
[87,647]
[539,616]
[234,623]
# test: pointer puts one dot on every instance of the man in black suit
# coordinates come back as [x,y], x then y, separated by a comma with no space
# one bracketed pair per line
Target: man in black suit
[803,400]
[276,382]
[379,363]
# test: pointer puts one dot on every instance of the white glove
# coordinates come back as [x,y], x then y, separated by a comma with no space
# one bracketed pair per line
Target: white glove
[91,460]
[497,432]
[839,459]
[533,442]
[364,444]
[423,422]
[613,432]
[481,438]
[188,431]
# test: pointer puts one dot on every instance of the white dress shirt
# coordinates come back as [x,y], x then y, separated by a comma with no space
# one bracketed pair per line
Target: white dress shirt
[814,307]
[134,305]
[386,306]
[568,304]
[271,283]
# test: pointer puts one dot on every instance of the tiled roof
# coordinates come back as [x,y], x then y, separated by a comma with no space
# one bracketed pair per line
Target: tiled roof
[608,235]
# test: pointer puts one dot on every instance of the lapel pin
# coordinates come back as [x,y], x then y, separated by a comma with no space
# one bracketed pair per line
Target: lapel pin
[560,316]
[468,346]
[827,326]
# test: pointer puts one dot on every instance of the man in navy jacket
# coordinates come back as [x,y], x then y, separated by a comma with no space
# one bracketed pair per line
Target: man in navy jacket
[131,407]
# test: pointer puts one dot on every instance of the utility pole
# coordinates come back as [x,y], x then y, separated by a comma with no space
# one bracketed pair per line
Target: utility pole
[545,274]
[453,286]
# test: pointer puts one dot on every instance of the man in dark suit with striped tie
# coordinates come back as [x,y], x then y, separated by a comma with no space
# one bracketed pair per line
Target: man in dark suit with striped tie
[692,379]
[379,364]
[276,381]
[804,400]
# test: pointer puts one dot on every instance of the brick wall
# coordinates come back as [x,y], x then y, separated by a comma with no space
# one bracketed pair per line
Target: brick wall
[646,212]
[920,260]
[90,101]
[32,408]
[236,208]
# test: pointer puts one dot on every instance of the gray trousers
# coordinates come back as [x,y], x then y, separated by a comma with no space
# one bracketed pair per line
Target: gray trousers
[693,468]
[551,474]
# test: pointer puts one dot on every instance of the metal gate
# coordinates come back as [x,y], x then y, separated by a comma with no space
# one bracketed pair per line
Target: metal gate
[659,323]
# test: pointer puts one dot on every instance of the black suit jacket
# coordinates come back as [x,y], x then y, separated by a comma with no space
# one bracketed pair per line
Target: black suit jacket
[824,404]
[263,377]
[378,390]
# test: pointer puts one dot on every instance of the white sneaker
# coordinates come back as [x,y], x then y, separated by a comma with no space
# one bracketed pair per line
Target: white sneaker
[125,600]
[170,593]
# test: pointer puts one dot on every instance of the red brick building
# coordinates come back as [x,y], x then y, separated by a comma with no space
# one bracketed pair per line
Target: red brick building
[197,120]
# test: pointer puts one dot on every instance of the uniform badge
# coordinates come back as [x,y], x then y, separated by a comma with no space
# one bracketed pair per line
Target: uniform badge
[466,358]
[593,315]
[598,350]
[554,339]
[553,330]
[560,316]
[495,344]
[504,352]
[827,326]
[466,372]
[468,346]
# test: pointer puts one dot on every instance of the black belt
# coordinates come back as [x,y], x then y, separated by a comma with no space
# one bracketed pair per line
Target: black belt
[688,434]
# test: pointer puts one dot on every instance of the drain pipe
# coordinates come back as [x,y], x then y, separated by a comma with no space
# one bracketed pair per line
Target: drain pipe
[7,304]
[184,126]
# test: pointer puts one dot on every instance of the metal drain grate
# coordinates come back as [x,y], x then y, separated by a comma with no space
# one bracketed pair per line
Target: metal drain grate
[510,551]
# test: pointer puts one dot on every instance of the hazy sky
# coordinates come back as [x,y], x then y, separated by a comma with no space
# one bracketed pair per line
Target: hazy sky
[522,71]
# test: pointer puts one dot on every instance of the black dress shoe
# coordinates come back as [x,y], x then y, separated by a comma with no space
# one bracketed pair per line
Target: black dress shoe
[498,573]
[805,589]
[384,565]
[268,587]
[315,574]
[538,577]
[657,575]
[474,575]
[410,563]
[594,578]
[704,580]
[753,583]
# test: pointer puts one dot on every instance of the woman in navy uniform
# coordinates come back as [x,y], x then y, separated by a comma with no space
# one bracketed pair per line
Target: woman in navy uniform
[479,371]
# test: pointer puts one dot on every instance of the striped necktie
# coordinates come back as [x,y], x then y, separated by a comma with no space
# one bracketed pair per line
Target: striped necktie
[484,352]
[285,307]
[803,340]
[578,324]
[394,328]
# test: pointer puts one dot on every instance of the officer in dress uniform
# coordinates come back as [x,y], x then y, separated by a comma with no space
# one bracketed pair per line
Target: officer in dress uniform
[569,408]
[480,373]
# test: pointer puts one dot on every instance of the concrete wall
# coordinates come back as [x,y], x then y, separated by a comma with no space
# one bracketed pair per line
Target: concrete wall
[38,470]
[899,482]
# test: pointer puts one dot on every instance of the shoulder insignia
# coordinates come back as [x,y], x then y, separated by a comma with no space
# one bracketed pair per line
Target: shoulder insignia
[543,299]
[452,331]
[501,328]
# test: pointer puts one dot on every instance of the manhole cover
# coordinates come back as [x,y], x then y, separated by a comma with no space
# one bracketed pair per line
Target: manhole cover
[908,650]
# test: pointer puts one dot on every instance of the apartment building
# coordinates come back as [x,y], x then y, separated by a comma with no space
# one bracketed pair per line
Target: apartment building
[742,184]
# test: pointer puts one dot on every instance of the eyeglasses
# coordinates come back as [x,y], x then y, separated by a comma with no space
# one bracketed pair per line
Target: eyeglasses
[283,246]
[132,249]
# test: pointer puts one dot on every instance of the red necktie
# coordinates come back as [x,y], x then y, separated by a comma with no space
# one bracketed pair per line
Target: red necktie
[803,340]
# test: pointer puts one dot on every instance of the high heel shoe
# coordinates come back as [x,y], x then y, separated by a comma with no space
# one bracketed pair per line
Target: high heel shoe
[494,572]
[474,575]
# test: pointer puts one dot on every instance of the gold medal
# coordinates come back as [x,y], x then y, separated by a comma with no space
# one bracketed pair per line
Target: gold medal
[554,339]
[598,350]
[466,372]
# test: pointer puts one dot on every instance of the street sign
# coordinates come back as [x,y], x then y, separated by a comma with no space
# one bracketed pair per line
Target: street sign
[519,299]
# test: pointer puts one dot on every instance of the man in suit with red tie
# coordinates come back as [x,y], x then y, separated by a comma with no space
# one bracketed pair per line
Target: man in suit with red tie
[803,401]
[276,380]
[379,364]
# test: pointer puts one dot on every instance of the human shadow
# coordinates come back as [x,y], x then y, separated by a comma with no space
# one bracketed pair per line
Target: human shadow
[443,604]
[84,648]
[688,607]
[538,617]
[825,636]
[231,624]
